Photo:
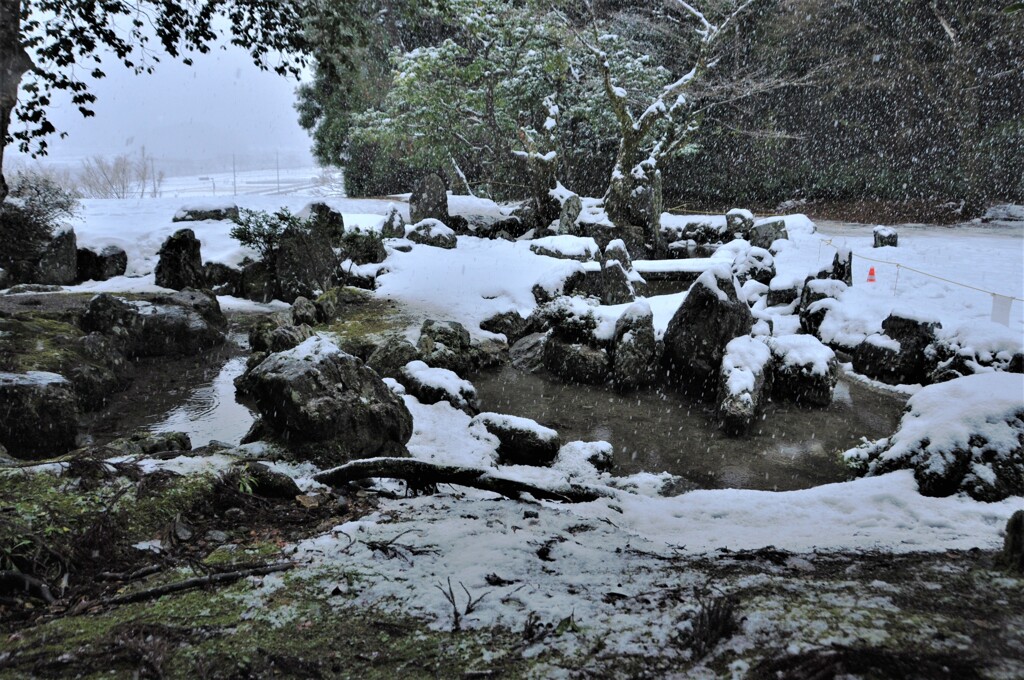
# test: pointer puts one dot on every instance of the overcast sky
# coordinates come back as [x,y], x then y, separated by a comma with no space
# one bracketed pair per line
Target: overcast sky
[190,118]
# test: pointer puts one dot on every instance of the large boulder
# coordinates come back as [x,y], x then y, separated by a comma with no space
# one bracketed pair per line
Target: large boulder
[745,384]
[325,221]
[184,323]
[965,435]
[429,200]
[99,266]
[523,441]
[901,354]
[763,235]
[305,264]
[576,362]
[38,414]
[320,396]
[58,263]
[805,370]
[431,232]
[635,347]
[711,315]
[181,264]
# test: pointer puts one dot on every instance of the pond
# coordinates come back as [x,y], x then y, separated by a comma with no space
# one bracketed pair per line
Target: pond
[657,430]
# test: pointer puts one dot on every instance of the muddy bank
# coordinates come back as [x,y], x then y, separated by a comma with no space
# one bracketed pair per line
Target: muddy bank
[659,431]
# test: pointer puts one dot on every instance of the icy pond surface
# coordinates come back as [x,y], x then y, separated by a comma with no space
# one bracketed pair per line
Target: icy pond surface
[655,431]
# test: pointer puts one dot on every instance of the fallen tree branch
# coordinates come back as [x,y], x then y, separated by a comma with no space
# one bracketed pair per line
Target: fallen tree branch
[420,474]
[15,581]
[198,582]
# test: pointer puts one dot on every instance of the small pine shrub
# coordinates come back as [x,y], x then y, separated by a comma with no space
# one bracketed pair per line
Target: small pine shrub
[262,231]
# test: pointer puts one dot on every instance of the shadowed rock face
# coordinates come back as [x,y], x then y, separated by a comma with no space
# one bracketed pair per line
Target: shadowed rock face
[38,414]
[181,264]
[710,316]
[429,200]
[316,393]
[100,266]
[183,323]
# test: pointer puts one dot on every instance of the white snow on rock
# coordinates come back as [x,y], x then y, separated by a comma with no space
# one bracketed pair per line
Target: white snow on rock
[461,391]
[508,422]
[430,227]
[745,358]
[943,418]
[803,351]
[567,246]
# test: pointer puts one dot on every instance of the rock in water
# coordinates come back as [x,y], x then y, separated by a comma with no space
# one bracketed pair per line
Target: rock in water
[806,371]
[745,383]
[317,394]
[711,315]
[40,414]
[180,265]
[429,200]
[634,347]
[523,441]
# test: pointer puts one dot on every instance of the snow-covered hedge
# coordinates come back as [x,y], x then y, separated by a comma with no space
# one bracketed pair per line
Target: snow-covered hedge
[965,435]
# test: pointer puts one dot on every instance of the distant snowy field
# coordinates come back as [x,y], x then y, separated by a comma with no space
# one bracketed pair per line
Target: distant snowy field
[482,277]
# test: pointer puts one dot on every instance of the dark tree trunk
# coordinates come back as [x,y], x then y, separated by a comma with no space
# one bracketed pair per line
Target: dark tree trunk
[14,63]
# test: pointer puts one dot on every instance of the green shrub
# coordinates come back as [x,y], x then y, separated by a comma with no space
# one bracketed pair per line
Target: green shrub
[262,231]
[35,206]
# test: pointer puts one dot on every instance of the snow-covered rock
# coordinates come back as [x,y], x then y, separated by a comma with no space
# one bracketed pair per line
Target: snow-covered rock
[523,441]
[431,385]
[711,315]
[744,384]
[431,232]
[806,371]
[319,395]
[965,435]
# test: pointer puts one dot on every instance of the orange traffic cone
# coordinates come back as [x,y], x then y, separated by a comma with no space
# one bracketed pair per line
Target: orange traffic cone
[871,275]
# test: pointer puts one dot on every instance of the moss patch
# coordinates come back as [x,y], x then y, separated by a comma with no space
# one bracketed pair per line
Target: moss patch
[362,320]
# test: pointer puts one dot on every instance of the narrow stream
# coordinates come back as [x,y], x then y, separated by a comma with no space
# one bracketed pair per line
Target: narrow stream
[655,431]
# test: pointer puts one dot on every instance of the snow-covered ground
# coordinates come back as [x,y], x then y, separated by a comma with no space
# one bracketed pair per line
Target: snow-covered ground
[626,534]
